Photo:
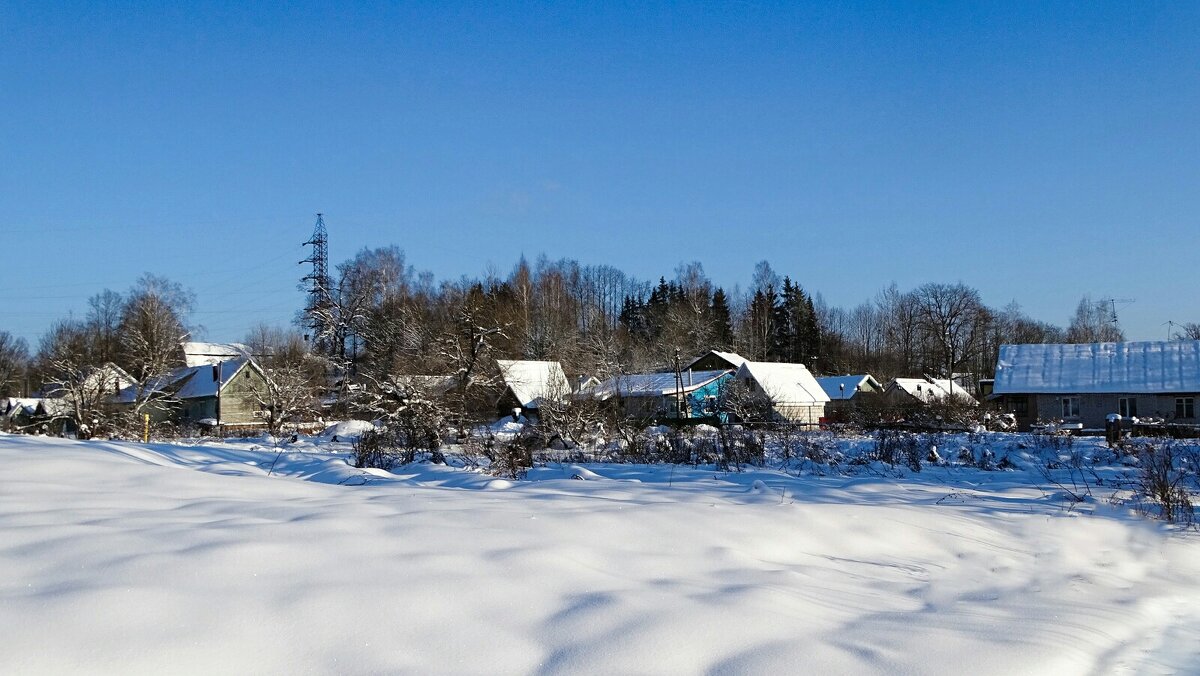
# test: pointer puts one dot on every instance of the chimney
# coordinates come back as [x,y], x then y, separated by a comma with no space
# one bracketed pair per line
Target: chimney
[217,372]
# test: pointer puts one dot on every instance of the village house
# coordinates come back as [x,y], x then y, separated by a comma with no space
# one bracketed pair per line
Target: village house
[792,392]
[849,393]
[1082,384]
[228,393]
[909,392]
[17,414]
[688,394]
[529,384]
[715,360]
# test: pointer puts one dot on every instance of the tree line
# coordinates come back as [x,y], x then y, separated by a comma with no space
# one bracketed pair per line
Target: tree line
[381,318]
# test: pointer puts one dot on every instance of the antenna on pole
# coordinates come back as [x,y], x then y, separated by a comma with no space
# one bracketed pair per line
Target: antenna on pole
[1110,304]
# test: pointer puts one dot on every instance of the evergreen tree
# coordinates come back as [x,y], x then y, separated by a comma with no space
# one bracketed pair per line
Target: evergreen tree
[722,320]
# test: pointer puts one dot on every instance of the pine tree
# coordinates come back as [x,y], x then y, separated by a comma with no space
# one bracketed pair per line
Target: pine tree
[722,320]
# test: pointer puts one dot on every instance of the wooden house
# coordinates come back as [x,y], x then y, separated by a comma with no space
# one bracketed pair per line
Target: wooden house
[909,392]
[691,395]
[1082,384]
[227,393]
[848,393]
[715,360]
[17,414]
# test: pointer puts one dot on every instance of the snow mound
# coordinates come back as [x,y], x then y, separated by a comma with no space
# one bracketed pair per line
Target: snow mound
[240,566]
[347,430]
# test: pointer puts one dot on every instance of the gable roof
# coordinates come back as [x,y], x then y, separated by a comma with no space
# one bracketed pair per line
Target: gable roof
[532,381]
[195,382]
[1129,368]
[93,380]
[426,385]
[732,358]
[204,382]
[654,384]
[784,383]
[14,407]
[207,354]
[929,390]
[846,387]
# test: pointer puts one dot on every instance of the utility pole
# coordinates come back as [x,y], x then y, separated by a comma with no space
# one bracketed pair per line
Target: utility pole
[1110,304]
[678,386]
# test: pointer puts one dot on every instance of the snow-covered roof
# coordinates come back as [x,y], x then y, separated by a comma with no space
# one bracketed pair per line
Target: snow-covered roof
[845,387]
[532,381]
[207,354]
[930,390]
[1119,368]
[194,382]
[17,406]
[960,392]
[653,384]
[427,385]
[784,383]
[53,406]
[206,381]
[733,358]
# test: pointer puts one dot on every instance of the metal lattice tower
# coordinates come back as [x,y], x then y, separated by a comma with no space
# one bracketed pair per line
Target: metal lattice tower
[319,306]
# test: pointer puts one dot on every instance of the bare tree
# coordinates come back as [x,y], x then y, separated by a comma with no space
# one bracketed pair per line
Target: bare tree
[152,328]
[288,394]
[14,359]
[465,350]
[83,392]
[954,324]
[1189,331]
[1093,323]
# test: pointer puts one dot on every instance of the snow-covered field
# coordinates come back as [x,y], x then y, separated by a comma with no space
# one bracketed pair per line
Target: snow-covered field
[231,558]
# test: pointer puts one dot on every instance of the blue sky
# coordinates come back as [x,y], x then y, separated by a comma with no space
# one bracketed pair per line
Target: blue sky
[1035,151]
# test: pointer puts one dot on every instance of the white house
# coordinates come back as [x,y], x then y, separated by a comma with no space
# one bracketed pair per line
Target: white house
[528,384]
[793,392]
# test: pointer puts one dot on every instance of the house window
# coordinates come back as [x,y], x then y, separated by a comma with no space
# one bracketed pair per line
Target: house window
[1127,407]
[1185,407]
[1070,407]
[1020,406]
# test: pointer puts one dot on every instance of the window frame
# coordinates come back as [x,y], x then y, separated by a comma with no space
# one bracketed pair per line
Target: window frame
[1069,407]
[1127,407]
[1185,407]
[1019,407]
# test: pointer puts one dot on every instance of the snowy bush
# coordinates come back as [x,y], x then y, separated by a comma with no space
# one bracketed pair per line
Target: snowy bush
[1162,481]
[378,449]
[895,447]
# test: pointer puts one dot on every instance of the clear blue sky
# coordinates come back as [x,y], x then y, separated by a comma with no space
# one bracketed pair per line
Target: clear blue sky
[1036,151]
